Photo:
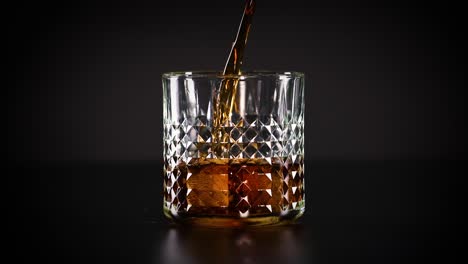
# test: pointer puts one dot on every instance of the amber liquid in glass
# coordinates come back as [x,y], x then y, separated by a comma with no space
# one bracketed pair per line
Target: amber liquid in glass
[217,191]
[236,188]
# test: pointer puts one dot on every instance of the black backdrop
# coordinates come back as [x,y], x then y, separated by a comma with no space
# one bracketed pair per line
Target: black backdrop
[384,80]
[384,126]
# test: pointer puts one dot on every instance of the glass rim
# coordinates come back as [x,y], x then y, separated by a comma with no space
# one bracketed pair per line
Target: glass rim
[218,74]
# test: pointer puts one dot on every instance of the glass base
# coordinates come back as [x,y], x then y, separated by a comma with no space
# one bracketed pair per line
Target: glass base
[222,222]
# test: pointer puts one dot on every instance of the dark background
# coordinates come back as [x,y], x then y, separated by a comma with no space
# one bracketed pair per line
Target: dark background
[385,136]
[384,80]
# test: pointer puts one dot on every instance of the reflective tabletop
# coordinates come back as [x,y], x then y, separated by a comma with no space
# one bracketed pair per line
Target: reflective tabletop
[356,212]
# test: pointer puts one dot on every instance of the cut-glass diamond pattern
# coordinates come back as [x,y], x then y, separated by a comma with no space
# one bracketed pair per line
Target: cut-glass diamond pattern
[193,138]
[275,186]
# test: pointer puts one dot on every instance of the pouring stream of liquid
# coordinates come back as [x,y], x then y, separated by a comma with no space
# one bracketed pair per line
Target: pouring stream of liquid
[226,95]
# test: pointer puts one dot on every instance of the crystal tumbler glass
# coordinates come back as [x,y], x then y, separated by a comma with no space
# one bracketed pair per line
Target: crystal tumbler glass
[245,169]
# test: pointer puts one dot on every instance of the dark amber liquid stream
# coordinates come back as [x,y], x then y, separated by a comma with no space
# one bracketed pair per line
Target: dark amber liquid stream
[224,102]
[217,189]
